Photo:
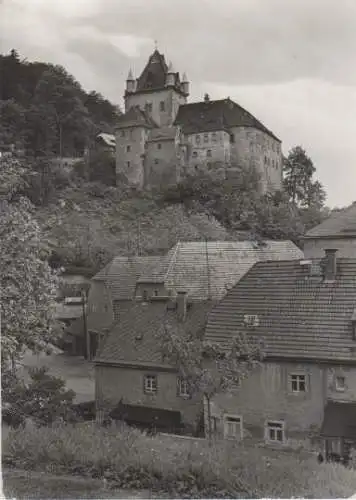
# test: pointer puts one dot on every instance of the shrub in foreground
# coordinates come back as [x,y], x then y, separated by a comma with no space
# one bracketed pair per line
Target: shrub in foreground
[128,458]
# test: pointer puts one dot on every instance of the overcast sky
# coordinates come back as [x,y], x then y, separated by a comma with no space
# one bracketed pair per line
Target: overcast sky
[289,62]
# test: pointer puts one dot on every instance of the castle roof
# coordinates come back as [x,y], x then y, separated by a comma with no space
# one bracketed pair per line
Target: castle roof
[222,114]
[298,314]
[163,134]
[154,75]
[135,117]
[342,224]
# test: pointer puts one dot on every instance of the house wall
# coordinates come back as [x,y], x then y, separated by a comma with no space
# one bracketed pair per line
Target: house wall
[266,395]
[315,248]
[151,288]
[114,383]
[349,393]
[172,100]
[130,163]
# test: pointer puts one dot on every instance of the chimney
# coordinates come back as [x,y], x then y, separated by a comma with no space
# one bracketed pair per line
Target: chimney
[181,305]
[330,264]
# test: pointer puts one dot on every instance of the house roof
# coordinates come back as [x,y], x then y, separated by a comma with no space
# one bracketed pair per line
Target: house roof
[135,117]
[339,420]
[222,114]
[341,224]
[133,339]
[299,316]
[121,274]
[208,269]
[108,139]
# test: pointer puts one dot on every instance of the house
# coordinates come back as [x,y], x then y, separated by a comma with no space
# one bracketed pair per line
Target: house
[133,380]
[107,142]
[338,231]
[110,290]
[162,137]
[304,392]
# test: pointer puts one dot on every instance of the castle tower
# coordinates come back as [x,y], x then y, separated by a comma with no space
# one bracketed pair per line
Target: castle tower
[158,91]
[185,84]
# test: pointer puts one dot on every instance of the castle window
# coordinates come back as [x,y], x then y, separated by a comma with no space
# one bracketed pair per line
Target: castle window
[149,107]
[156,161]
[128,149]
[162,106]
[206,137]
[128,164]
[214,137]
[122,133]
[195,154]
[197,139]
[232,138]
[208,153]
[266,159]
[159,146]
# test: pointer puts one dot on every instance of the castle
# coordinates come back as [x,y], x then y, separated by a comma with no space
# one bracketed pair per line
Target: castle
[161,137]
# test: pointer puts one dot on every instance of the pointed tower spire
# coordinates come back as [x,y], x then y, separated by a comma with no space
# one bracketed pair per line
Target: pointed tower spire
[170,78]
[130,82]
[185,84]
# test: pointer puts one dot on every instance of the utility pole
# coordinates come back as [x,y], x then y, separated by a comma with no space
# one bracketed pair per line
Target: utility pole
[85,326]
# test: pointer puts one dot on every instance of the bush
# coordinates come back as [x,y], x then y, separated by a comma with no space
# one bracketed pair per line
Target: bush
[182,467]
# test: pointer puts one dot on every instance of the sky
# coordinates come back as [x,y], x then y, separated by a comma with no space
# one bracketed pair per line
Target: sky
[290,63]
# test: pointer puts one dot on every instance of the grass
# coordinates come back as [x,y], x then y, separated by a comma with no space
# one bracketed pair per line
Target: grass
[182,468]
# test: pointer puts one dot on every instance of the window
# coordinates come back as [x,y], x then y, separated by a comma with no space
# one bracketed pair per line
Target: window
[232,138]
[195,154]
[128,149]
[213,136]
[128,164]
[275,431]
[197,139]
[159,146]
[251,320]
[183,387]
[340,383]
[145,295]
[155,293]
[206,137]
[156,161]
[265,159]
[208,153]
[298,383]
[122,133]
[162,106]
[150,384]
[149,107]
[232,427]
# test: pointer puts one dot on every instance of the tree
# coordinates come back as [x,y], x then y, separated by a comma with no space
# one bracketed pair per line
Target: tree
[44,399]
[207,367]
[28,285]
[298,179]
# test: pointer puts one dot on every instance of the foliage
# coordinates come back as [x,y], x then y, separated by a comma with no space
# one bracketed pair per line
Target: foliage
[46,111]
[181,468]
[27,283]
[298,180]
[44,399]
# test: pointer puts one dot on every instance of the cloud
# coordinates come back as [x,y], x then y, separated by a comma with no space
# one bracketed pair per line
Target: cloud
[291,63]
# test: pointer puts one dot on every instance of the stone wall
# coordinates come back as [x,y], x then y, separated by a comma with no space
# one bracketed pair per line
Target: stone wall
[161,163]
[130,150]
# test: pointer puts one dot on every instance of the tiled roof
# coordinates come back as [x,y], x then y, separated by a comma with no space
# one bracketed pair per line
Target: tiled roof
[134,337]
[135,117]
[214,266]
[339,420]
[299,316]
[121,274]
[340,224]
[154,74]
[216,115]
